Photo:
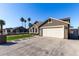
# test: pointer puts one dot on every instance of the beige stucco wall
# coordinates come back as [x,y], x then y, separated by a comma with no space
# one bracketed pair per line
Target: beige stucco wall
[65,33]
[35,26]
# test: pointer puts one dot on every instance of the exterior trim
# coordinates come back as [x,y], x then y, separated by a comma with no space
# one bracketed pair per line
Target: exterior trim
[58,26]
[61,20]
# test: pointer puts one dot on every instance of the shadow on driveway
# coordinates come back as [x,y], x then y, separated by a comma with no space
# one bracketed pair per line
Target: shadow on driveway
[73,39]
[8,44]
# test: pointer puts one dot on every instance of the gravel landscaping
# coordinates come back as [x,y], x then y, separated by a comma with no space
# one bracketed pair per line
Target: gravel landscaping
[40,46]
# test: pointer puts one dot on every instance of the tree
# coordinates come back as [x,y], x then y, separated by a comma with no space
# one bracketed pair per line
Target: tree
[30,24]
[2,22]
[22,20]
[25,23]
[29,19]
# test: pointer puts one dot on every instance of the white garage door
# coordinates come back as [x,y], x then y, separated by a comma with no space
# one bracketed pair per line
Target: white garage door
[54,32]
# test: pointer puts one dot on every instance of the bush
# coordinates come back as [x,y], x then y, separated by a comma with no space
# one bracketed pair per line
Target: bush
[3,39]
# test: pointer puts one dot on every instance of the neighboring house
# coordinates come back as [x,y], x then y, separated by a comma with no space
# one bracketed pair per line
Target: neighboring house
[52,27]
[16,30]
[8,31]
[20,30]
[74,33]
[34,28]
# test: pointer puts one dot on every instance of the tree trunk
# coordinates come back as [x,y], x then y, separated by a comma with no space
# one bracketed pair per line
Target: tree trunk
[22,24]
[1,29]
[25,25]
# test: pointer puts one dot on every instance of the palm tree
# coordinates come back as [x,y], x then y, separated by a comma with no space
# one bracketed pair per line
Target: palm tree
[22,20]
[2,22]
[29,19]
[25,23]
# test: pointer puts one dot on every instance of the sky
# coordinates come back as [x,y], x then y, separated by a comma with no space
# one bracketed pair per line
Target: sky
[11,13]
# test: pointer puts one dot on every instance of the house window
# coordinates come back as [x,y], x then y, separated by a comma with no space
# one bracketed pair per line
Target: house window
[8,30]
[35,30]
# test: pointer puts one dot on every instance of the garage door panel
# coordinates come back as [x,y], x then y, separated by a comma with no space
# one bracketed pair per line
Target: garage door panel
[54,32]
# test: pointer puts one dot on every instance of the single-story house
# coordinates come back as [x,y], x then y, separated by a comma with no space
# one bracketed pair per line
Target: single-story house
[74,33]
[8,31]
[52,27]
[35,27]
[15,30]
[20,30]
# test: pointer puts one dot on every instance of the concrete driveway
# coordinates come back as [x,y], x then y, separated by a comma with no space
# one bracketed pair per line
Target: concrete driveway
[41,46]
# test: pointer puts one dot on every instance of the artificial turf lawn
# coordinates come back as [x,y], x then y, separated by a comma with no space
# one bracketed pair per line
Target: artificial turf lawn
[15,37]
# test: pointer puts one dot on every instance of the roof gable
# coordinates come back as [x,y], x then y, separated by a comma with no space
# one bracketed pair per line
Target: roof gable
[55,20]
[36,23]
